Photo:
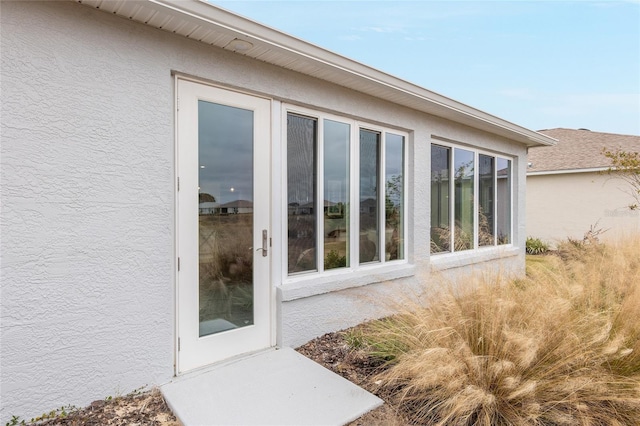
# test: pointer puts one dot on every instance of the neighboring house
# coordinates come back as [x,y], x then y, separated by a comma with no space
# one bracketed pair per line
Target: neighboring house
[237,207]
[119,118]
[232,207]
[569,191]
[208,207]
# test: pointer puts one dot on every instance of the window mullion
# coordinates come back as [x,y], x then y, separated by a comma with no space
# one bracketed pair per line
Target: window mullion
[495,201]
[511,200]
[319,213]
[405,197]
[476,200]
[452,203]
[354,197]
[284,188]
[382,193]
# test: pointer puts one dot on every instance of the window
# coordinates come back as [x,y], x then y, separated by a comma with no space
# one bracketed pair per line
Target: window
[301,192]
[394,196]
[336,194]
[486,195]
[503,198]
[464,173]
[480,199]
[369,202]
[440,194]
[359,170]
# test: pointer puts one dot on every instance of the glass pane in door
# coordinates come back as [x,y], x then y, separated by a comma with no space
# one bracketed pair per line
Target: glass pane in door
[225,212]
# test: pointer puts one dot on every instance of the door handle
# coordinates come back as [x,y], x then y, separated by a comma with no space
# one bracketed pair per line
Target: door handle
[265,242]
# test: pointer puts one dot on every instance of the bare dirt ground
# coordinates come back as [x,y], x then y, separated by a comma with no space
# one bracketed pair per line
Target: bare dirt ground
[138,409]
[149,408]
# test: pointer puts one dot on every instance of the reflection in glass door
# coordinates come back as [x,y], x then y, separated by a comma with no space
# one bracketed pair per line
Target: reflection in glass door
[225,216]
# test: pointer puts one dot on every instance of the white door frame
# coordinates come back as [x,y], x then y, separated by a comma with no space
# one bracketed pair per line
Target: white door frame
[193,351]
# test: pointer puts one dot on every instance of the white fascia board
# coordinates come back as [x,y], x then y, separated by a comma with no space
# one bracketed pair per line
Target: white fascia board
[568,171]
[220,18]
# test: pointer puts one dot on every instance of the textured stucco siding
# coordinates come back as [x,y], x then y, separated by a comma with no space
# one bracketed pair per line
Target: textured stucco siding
[568,205]
[87,220]
[87,209]
[306,318]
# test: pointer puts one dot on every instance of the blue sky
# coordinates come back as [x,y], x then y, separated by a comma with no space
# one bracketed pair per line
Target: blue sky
[540,64]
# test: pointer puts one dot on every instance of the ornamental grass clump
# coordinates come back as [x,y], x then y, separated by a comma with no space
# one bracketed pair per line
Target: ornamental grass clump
[559,347]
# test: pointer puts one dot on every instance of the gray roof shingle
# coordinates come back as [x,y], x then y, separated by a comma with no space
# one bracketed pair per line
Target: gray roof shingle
[578,150]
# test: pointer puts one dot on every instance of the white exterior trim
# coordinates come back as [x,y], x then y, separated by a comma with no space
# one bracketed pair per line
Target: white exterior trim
[562,172]
[444,261]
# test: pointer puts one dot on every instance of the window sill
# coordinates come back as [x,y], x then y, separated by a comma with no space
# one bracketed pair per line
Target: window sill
[443,261]
[312,285]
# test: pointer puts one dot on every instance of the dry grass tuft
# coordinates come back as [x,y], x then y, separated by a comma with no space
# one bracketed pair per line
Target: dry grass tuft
[561,346]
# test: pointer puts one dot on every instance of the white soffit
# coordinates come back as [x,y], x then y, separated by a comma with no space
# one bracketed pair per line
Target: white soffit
[567,171]
[199,20]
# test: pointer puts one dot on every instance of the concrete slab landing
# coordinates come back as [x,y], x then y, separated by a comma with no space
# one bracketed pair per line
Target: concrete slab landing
[274,387]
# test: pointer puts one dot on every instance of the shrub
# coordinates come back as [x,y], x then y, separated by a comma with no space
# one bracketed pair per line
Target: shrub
[561,346]
[536,246]
[573,248]
[625,165]
[334,260]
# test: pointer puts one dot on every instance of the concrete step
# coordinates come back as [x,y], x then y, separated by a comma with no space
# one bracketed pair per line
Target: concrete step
[273,387]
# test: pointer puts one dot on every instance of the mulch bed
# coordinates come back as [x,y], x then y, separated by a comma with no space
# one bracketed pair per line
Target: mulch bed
[137,409]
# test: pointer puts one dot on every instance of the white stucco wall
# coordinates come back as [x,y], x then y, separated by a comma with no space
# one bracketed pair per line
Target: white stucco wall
[567,205]
[87,208]
[87,223]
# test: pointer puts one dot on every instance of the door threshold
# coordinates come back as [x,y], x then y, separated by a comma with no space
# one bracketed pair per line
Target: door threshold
[222,363]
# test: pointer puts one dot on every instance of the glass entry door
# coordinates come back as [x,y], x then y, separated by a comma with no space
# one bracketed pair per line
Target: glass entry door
[223,238]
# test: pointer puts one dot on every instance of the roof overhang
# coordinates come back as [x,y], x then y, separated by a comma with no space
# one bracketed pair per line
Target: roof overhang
[568,171]
[204,22]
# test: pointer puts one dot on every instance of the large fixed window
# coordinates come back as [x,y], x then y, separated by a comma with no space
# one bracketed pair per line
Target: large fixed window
[470,199]
[345,194]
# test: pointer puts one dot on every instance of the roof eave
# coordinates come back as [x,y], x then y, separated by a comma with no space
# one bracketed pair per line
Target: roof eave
[301,56]
[567,171]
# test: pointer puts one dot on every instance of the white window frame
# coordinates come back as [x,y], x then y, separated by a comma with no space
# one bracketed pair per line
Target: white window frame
[476,191]
[308,283]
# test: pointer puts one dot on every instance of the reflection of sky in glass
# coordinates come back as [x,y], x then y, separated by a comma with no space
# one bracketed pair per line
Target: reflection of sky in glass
[463,163]
[301,165]
[369,164]
[225,149]
[393,167]
[485,167]
[440,191]
[439,163]
[336,161]
[503,167]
